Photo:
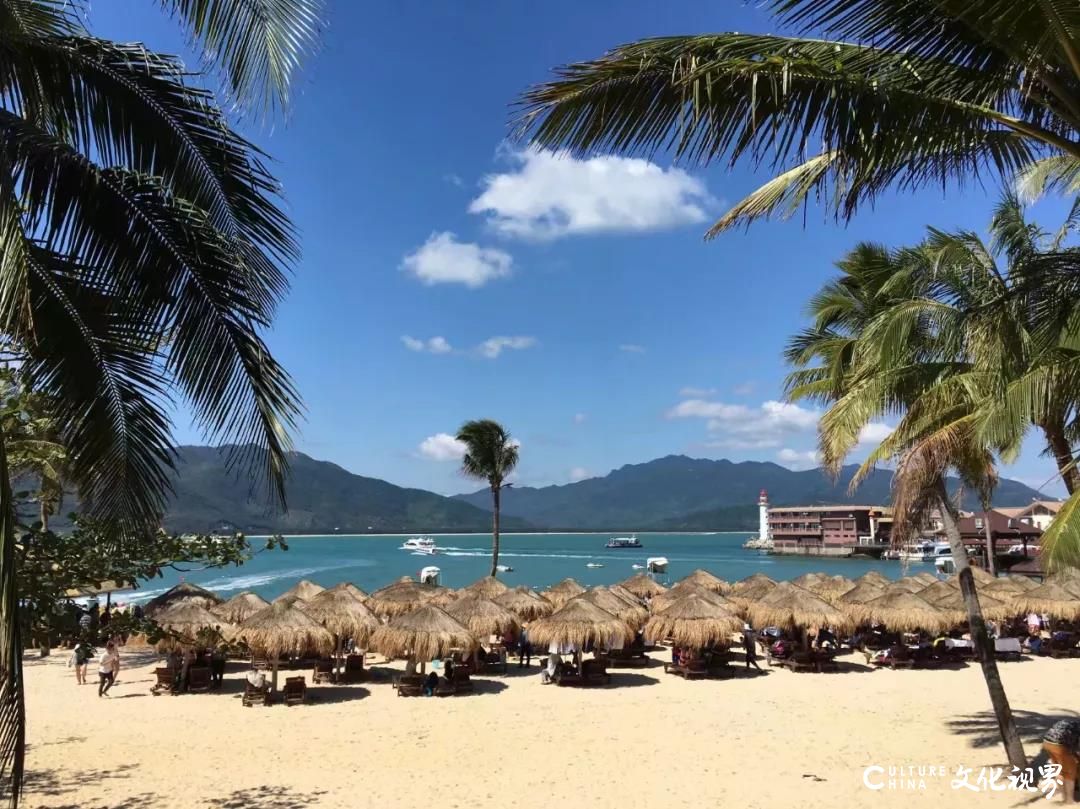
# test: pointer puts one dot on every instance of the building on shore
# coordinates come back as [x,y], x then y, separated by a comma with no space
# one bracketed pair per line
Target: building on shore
[838,530]
[1007,532]
[1039,513]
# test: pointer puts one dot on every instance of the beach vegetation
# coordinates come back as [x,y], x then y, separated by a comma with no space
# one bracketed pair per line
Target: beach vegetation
[490,455]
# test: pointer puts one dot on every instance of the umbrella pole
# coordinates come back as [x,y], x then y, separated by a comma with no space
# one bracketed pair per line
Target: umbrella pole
[337,658]
[273,680]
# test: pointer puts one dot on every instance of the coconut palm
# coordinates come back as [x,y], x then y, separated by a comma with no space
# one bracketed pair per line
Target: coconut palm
[490,455]
[143,253]
[904,95]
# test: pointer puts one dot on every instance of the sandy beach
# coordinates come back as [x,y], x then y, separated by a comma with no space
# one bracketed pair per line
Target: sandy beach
[779,739]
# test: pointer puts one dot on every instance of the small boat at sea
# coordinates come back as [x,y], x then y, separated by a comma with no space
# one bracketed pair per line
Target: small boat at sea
[420,546]
[593,564]
[504,568]
[637,567]
[618,543]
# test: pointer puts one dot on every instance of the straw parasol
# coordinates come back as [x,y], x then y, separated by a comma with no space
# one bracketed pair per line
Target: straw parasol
[426,633]
[343,614]
[626,595]
[634,614]
[992,608]
[789,605]
[704,578]
[525,603]
[281,629]
[402,596]
[445,596]
[908,584]
[829,588]
[752,588]
[303,590]
[1068,577]
[981,576]
[352,589]
[1004,588]
[482,616]
[905,612]
[183,592]
[192,622]
[809,580]
[695,622]
[680,590]
[1024,582]
[873,577]
[562,592]
[488,587]
[579,623]
[861,593]
[926,578]
[938,589]
[1049,598]
[240,607]
[643,587]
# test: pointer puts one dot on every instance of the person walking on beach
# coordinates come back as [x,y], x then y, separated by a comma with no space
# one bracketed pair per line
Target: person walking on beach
[751,647]
[524,649]
[80,658]
[109,668]
[217,666]
[1061,743]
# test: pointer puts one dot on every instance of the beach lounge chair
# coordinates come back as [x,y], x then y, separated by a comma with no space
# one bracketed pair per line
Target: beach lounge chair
[166,681]
[462,682]
[198,678]
[259,662]
[802,661]
[445,689]
[323,671]
[295,690]
[493,663]
[1007,648]
[354,669]
[594,672]
[254,695]
[410,685]
[625,658]
[1062,646]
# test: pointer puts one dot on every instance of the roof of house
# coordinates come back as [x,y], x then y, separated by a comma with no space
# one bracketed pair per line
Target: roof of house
[839,507]
[1001,524]
[1012,511]
[1053,506]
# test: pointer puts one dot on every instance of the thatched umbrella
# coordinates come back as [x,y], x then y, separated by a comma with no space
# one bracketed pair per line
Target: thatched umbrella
[938,589]
[981,576]
[789,605]
[488,587]
[752,588]
[281,629]
[303,590]
[926,578]
[873,577]
[908,584]
[643,587]
[446,596]
[634,614]
[861,593]
[1003,588]
[183,592]
[1023,582]
[193,623]
[1049,598]
[402,596]
[351,589]
[562,592]
[577,624]
[344,615]
[680,590]
[525,603]
[482,616]
[704,578]
[809,580]
[626,595]
[905,612]
[829,588]
[991,607]
[694,622]
[240,607]
[425,633]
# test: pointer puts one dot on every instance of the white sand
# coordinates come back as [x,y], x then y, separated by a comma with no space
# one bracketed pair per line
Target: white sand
[782,740]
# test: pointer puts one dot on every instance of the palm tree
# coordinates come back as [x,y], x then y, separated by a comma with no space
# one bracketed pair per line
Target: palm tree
[143,253]
[904,95]
[491,455]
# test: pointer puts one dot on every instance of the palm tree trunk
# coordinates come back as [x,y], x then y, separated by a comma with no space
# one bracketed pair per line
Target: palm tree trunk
[12,707]
[1063,456]
[991,558]
[1010,737]
[496,494]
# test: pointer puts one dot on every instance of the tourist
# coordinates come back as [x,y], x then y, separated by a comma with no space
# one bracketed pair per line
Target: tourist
[1061,743]
[185,668]
[524,649]
[430,683]
[108,669]
[80,658]
[547,675]
[751,647]
[217,666]
[1034,623]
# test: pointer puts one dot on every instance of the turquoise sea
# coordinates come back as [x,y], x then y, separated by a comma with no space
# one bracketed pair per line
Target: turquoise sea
[538,560]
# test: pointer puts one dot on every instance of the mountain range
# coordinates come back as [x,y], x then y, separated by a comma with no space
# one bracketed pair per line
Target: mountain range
[675,493]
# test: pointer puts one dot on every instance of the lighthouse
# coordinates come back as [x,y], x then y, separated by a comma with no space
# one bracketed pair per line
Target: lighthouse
[763,516]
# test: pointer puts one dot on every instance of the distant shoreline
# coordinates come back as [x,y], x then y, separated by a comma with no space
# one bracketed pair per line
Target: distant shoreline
[502,534]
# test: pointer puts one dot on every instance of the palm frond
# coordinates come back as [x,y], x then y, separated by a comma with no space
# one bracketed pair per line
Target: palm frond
[1061,540]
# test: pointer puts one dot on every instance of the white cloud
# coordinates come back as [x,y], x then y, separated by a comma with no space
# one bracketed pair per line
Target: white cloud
[548,195]
[797,460]
[578,473]
[632,348]
[494,346]
[453,179]
[579,418]
[738,426]
[442,259]
[441,447]
[433,345]
[696,393]
[874,433]
[745,389]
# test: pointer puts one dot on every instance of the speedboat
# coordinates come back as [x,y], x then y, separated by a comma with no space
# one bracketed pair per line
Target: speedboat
[593,564]
[924,551]
[637,567]
[623,542]
[504,568]
[424,545]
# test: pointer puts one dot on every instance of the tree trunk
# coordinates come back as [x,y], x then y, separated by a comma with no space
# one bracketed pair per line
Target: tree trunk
[991,558]
[44,515]
[12,706]
[496,495]
[1063,457]
[1010,737]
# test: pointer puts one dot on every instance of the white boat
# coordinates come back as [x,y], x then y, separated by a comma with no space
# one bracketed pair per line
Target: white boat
[637,567]
[657,564]
[593,564]
[430,575]
[623,542]
[504,568]
[923,551]
[421,545]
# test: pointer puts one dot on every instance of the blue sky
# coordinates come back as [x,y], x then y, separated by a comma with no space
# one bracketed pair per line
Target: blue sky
[449,275]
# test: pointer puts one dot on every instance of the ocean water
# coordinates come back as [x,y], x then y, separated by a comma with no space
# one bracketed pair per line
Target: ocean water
[538,560]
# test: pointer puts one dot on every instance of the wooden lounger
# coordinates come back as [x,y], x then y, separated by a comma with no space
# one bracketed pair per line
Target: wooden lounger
[295,690]
[410,685]
[198,678]
[462,682]
[323,671]
[255,696]
[354,669]
[690,672]
[166,681]
[625,658]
